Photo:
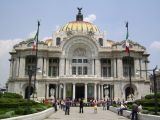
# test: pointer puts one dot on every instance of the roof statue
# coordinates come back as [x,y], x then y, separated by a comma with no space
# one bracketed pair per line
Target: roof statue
[79,10]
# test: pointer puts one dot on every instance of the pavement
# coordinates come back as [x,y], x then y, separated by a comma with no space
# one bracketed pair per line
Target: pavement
[87,115]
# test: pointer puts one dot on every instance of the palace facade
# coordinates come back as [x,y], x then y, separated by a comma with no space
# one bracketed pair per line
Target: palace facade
[79,62]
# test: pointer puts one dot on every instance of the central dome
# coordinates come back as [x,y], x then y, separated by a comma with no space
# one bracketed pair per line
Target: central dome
[80,26]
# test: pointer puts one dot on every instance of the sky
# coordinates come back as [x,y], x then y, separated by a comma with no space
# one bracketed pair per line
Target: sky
[18,21]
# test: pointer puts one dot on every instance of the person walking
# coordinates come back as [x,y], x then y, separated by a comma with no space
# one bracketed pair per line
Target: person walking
[81,106]
[134,111]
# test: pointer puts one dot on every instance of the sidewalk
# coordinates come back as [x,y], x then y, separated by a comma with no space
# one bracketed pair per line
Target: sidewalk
[87,115]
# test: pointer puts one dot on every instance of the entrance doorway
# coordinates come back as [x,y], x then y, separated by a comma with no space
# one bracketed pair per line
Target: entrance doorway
[27,90]
[127,93]
[79,90]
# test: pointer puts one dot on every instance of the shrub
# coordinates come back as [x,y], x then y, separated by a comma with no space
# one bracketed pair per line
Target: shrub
[33,110]
[10,113]
[19,111]
[4,116]
[151,96]
[11,95]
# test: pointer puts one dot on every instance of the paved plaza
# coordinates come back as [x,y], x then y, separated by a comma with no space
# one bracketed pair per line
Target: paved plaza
[87,115]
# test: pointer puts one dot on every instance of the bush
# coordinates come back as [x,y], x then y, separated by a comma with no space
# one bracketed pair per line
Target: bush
[151,96]
[10,113]
[4,116]
[11,95]
[19,111]
[33,110]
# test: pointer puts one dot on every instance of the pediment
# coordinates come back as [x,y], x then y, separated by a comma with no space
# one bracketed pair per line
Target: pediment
[132,45]
[28,43]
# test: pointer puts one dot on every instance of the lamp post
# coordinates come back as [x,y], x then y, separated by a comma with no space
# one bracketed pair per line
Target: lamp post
[30,73]
[155,87]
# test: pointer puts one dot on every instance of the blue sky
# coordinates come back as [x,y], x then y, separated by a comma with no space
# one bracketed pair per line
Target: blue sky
[18,21]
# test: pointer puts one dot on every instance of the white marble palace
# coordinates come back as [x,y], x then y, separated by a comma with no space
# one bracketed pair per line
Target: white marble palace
[78,62]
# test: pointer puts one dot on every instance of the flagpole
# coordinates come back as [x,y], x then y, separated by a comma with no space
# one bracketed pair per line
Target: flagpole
[37,34]
[129,59]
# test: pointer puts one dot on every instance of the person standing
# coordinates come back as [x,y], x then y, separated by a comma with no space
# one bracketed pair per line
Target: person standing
[104,104]
[67,104]
[81,106]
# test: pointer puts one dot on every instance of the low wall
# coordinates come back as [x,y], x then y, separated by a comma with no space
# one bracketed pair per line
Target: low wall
[36,116]
[127,114]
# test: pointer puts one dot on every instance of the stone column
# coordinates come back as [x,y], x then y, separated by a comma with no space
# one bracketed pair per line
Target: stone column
[99,92]
[47,91]
[98,67]
[22,68]
[45,67]
[60,91]
[39,62]
[115,67]
[85,91]
[112,67]
[102,91]
[93,67]
[61,67]
[136,67]
[56,91]
[120,67]
[17,66]
[73,91]
[95,91]
[64,90]
[67,67]
[46,61]
[143,67]
[40,66]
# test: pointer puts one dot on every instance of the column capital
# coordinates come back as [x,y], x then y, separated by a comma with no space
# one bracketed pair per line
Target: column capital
[86,83]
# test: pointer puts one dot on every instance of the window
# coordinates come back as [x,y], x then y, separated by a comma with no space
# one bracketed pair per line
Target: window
[85,61]
[127,62]
[58,41]
[85,70]
[106,67]
[79,70]
[100,41]
[74,60]
[79,66]
[79,60]
[53,67]
[30,63]
[73,70]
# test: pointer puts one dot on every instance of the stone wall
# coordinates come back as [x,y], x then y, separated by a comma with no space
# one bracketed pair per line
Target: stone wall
[127,114]
[36,116]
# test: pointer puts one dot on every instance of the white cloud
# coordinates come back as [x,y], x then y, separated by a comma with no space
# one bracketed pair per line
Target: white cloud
[90,18]
[5,47]
[155,45]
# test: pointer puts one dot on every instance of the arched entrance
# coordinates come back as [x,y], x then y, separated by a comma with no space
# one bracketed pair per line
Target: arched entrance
[127,93]
[27,90]
[79,90]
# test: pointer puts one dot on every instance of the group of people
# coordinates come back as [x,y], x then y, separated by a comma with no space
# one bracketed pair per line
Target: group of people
[66,104]
[135,109]
[106,104]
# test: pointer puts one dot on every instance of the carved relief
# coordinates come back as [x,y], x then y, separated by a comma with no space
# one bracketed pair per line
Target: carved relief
[79,52]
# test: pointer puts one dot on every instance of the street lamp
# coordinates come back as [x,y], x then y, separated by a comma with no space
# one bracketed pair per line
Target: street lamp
[155,87]
[30,73]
